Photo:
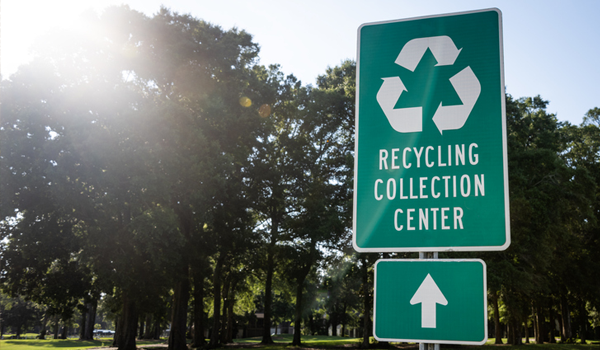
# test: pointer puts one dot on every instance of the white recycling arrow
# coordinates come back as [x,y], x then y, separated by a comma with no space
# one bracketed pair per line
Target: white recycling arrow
[468,89]
[401,119]
[465,83]
[442,48]
[428,295]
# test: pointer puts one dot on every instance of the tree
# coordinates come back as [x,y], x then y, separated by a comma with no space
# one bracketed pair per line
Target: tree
[320,216]
[39,231]
[272,174]
[150,128]
[343,283]
[202,82]
[18,313]
[95,196]
[575,268]
[547,197]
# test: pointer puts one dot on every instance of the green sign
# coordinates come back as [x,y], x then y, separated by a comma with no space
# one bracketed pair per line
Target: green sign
[430,301]
[430,164]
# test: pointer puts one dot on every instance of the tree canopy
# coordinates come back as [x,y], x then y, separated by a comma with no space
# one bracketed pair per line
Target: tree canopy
[152,167]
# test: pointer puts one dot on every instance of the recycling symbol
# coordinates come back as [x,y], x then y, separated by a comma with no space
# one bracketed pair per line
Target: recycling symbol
[465,84]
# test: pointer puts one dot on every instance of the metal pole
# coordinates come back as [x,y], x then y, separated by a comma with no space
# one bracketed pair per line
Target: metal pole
[428,346]
[428,255]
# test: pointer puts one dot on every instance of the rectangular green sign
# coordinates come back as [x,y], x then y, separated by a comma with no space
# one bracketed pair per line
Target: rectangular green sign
[430,301]
[430,164]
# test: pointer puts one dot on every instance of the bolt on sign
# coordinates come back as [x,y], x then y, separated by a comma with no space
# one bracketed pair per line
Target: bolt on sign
[431,301]
[430,164]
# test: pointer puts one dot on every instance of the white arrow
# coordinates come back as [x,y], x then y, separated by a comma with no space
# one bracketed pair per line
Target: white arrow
[402,119]
[428,294]
[442,48]
[467,88]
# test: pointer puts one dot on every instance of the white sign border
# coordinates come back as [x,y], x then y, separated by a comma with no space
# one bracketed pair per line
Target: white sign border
[438,341]
[504,148]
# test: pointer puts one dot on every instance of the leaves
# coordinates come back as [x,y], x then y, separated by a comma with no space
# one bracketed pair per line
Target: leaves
[141,147]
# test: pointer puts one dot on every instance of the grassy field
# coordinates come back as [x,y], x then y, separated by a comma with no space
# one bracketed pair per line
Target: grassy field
[313,341]
[60,344]
[282,342]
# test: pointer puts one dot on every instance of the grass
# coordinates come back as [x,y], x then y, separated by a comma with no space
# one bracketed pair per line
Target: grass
[282,342]
[23,335]
[59,344]
[47,344]
[546,346]
[540,347]
[309,339]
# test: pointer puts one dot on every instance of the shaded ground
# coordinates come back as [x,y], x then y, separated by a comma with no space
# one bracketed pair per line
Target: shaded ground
[314,342]
[282,342]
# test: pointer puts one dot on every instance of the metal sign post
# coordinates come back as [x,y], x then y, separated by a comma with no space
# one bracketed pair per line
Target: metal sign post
[428,346]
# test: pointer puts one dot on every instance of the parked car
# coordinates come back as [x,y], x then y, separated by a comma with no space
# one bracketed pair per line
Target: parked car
[103,333]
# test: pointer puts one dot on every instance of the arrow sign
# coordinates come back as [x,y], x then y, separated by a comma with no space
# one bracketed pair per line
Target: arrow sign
[428,295]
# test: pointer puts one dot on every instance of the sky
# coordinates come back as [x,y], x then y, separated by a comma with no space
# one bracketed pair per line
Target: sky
[551,48]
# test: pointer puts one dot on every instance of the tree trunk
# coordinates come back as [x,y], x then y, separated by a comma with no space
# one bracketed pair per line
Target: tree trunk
[560,326]
[42,331]
[156,330]
[230,315]
[366,304]
[177,340]
[82,326]
[214,337]
[583,320]
[497,326]
[141,328]
[118,332]
[298,315]
[56,327]
[514,332]
[266,336]
[526,329]
[540,337]
[566,318]
[226,300]
[534,323]
[65,330]
[198,340]
[129,318]
[148,331]
[90,321]
[344,318]
[552,326]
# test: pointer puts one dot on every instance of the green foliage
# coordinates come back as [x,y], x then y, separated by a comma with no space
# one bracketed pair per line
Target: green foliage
[17,313]
[143,150]
[552,195]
